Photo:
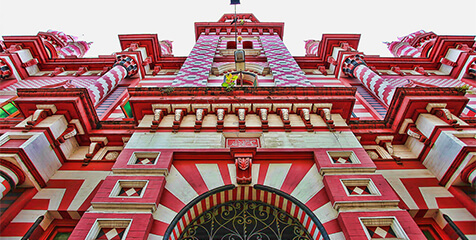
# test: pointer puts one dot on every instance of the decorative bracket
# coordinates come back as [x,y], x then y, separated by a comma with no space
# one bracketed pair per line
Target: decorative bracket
[241,119]
[386,142]
[68,133]
[199,115]
[42,112]
[284,113]
[243,162]
[324,110]
[178,116]
[305,114]
[220,119]
[96,144]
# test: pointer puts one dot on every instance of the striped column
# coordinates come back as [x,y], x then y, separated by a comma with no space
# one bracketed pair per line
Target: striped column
[125,66]
[356,67]
[77,49]
[312,46]
[468,175]
[400,49]
[8,181]
[5,70]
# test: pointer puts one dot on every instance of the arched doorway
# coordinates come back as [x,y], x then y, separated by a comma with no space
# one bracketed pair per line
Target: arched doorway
[266,200]
[246,220]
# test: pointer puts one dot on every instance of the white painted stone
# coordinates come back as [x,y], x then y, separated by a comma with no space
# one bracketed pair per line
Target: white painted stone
[427,122]
[232,172]
[179,187]
[276,174]
[167,121]
[28,216]
[188,121]
[211,175]
[146,121]
[414,145]
[431,193]
[393,178]
[69,146]
[55,195]
[317,121]
[41,155]
[296,120]
[309,186]
[443,153]
[325,213]
[337,236]
[210,120]
[252,120]
[230,120]
[309,140]
[56,123]
[164,214]
[274,120]
[254,173]
[91,180]
[338,120]
[176,140]
[154,237]
[456,214]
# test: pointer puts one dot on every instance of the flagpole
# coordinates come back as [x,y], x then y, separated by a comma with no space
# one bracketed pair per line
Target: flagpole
[236,20]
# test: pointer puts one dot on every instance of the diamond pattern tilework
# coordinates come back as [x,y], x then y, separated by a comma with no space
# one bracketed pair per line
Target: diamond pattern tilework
[111,233]
[196,69]
[144,161]
[130,192]
[341,160]
[358,190]
[381,232]
[285,70]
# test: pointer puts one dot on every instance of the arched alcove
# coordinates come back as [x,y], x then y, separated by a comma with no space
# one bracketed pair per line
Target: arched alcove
[230,199]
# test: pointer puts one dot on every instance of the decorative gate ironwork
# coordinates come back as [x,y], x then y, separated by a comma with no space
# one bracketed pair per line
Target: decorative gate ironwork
[245,220]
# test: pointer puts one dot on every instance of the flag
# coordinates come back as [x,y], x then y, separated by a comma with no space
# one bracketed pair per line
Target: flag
[234,2]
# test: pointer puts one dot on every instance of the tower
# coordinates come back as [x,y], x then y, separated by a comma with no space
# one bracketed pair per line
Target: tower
[238,138]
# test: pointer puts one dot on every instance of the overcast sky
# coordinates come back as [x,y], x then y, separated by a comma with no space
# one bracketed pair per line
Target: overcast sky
[100,21]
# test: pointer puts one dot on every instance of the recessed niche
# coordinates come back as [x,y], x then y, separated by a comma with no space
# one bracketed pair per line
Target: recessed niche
[144,158]
[360,187]
[343,157]
[126,188]
[111,229]
[383,228]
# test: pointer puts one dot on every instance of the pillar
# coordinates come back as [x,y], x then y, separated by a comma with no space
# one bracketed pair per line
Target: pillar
[468,175]
[10,177]
[400,49]
[5,70]
[125,66]
[356,67]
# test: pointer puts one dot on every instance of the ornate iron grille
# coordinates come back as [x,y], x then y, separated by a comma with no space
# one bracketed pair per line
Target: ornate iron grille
[245,220]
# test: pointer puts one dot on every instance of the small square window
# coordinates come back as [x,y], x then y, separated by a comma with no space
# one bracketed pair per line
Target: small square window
[344,157]
[116,229]
[383,228]
[360,187]
[144,158]
[126,188]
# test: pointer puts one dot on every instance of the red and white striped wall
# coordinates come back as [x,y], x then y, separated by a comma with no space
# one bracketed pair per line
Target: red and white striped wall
[187,180]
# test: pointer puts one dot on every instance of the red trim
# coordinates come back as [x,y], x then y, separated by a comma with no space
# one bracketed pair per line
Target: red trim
[16,207]
[464,199]
[430,225]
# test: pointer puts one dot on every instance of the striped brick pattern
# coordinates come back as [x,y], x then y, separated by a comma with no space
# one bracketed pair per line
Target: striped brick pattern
[38,82]
[255,41]
[196,69]
[105,84]
[376,84]
[246,193]
[187,180]
[77,49]
[5,186]
[400,49]
[285,70]
[157,81]
[311,46]
[103,109]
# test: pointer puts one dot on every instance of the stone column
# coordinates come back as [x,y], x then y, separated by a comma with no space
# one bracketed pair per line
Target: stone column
[356,67]
[400,49]
[125,66]
[8,180]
